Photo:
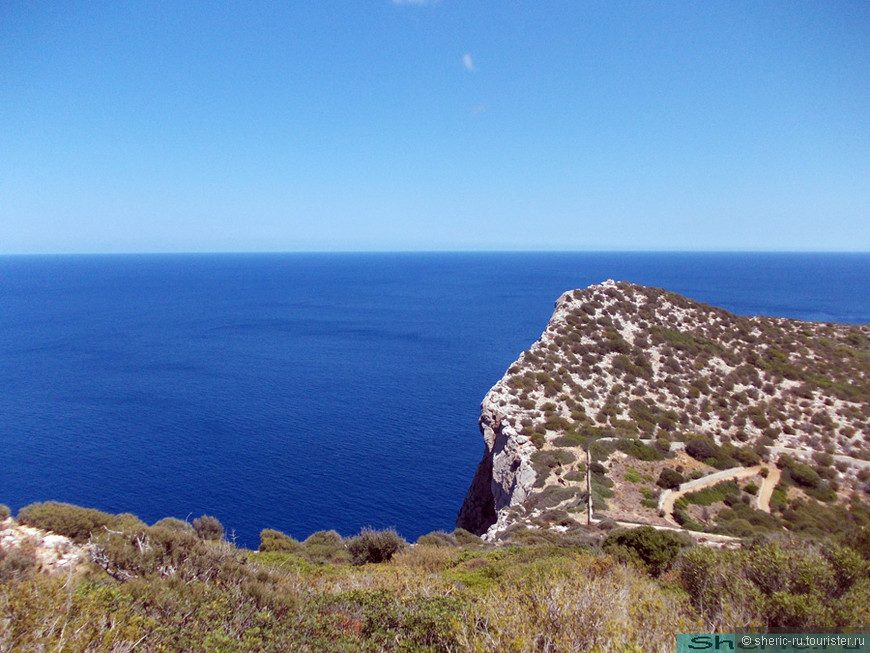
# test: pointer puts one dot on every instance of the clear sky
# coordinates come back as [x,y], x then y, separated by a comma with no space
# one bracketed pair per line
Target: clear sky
[309,125]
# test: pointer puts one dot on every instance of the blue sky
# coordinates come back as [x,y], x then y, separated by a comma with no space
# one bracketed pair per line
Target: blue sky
[441,125]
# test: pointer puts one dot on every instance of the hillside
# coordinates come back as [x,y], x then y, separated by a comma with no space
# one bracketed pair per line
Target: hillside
[648,380]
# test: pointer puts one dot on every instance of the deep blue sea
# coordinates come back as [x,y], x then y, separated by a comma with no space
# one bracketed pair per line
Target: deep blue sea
[308,391]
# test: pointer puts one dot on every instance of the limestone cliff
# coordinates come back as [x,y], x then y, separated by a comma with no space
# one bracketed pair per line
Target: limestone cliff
[505,476]
[619,361]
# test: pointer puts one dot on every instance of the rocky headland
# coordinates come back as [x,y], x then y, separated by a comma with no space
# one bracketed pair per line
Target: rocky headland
[647,380]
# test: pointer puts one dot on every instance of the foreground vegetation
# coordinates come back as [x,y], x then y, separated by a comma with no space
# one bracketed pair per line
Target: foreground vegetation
[178,586]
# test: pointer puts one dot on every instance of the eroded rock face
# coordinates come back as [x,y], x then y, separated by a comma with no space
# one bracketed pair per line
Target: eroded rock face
[620,360]
[504,477]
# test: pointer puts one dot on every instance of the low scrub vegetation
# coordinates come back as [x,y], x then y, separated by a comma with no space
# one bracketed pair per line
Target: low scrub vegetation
[725,491]
[779,584]
[167,587]
[75,522]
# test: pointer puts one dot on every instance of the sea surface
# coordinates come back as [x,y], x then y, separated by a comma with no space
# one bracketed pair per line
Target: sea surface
[304,392]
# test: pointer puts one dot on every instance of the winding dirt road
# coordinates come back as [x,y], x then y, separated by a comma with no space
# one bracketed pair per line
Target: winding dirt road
[667,504]
[767,487]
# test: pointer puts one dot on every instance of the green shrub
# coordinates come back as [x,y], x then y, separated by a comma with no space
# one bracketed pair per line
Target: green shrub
[823,492]
[173,524]
[684,520]
[570,439]
[326,547]
[747,456]
[823,459]
[544,461]
[601,480]
[632,475]
[557,423]
[551,496]
[700,448]
[710,495]
[778,499]
[827,473]
[467,538]
[597,468]
[637,449]
[741,520]
[272,540]
[437,538]
[73,521]
[552,458]
[654,548]
[374,546]
[324,538]
[208,528]
[382,621]
[4,512]
[804,475]
[600,491]
[813,518]
[670,479]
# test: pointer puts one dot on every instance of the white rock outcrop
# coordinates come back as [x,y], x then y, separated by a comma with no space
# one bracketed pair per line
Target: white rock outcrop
[53,552]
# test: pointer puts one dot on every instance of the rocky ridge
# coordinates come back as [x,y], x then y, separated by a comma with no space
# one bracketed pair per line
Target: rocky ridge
[619,361]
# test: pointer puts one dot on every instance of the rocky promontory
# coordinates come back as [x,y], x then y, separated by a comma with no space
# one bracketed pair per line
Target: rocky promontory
[652,380]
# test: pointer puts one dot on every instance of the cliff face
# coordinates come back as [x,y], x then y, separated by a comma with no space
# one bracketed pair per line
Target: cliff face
[621,361]
[505,476]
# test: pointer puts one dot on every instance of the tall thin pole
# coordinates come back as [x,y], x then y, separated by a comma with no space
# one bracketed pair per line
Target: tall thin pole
[589,479]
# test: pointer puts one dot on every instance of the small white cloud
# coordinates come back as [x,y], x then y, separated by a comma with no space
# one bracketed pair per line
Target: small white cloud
[468,62]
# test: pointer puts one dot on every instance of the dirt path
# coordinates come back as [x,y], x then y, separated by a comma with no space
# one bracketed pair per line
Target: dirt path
[668,503]
[803,453]
[706,539]
[767,487]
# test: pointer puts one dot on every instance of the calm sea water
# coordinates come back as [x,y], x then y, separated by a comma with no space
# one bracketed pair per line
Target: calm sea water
[307,392]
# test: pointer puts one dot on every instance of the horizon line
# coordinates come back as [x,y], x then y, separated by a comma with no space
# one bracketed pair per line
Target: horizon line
[429,251]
